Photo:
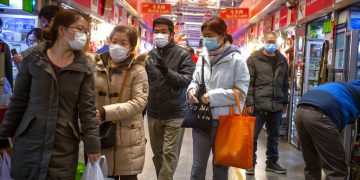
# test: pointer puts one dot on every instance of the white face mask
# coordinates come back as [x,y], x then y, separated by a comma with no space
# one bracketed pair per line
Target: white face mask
[79,42]
[161,40]
[118,53]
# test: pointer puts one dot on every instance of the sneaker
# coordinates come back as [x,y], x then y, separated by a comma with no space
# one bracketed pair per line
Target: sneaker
[250,172]
[275,167]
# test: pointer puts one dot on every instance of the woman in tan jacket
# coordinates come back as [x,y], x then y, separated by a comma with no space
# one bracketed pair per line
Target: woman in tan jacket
[126,157]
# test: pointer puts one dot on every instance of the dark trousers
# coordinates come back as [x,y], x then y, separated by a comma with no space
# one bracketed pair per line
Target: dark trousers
[272,121]
[321,145]
[203,144]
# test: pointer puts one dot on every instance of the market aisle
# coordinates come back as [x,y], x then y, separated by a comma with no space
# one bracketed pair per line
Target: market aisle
[289,158]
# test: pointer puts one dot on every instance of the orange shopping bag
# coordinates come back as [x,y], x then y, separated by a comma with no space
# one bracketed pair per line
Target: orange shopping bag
[234,140]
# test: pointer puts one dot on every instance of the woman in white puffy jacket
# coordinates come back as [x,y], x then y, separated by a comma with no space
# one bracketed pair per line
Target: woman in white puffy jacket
[224,69]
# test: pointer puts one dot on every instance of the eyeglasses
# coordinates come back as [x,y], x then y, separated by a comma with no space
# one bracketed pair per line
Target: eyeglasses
[80,30]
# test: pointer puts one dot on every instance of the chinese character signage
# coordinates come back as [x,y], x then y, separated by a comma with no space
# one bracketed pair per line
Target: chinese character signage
[156,8]
[234,13]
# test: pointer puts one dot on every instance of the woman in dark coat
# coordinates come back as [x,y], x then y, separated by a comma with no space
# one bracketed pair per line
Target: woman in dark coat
[54,88]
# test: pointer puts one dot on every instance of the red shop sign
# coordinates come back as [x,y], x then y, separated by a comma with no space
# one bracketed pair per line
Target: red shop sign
[234,13]
[283,17]
[155,8]
[312,6]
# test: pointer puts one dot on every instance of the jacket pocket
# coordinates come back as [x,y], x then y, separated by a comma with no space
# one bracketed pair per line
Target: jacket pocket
[24,124]
[130,134]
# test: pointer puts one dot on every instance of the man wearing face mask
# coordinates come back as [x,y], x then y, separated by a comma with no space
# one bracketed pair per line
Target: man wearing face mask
[46,16]
[170,68]
[268,97]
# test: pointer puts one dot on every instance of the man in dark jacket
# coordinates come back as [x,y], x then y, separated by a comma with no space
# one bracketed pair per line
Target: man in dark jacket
[321,115]
[170,68]
[268,97]
[4,48]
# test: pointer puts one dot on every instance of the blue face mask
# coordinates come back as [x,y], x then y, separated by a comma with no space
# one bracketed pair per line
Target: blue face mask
[211,43]
[270,47]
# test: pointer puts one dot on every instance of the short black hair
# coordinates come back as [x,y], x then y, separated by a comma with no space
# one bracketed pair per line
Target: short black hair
[270,32]
[48,12]
[166,21]
[1,23]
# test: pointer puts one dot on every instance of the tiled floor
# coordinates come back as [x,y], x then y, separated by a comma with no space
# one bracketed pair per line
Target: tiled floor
[289,158]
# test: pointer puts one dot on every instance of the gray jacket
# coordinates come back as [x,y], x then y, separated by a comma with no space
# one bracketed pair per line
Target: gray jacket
[43,116]
[268,90]
[229,72]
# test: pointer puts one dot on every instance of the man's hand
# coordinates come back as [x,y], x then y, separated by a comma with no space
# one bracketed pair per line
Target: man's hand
[161,66]
[205,98]
[93,157]
[192,97]
[250,109]
[285,109]
[17,58]
[98,116]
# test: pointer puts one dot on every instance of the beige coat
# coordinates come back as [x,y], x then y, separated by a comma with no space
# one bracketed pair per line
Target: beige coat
[128,155]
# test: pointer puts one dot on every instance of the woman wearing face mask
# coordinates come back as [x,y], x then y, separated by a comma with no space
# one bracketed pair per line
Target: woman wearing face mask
[224,69]
[54,90]
[118,70]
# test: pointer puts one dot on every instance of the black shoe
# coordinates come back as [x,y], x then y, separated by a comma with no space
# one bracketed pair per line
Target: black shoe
[250,172]
[275,167]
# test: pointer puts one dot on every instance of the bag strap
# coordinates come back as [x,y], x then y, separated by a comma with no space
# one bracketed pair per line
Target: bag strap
[123,85]
[202,71]
[232,109]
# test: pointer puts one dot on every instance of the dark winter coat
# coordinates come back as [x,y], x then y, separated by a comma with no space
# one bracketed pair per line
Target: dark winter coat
[268,88]
[167,95]
[43,116]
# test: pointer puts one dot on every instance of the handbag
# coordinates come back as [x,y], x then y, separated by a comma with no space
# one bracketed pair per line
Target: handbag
[234,140]
[108,128]
[198,115]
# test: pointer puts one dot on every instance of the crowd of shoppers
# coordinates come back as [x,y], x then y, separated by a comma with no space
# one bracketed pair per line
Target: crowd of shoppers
[62,96]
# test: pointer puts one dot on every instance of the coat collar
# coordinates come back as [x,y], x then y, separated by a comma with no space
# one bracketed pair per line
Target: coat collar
[103,63]
[79,64]
[227,56]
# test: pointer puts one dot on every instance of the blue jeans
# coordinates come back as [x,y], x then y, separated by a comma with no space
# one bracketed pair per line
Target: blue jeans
[272,121]
[203,143]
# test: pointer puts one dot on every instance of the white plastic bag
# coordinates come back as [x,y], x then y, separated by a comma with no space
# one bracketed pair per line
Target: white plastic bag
[5,167]
[94,171]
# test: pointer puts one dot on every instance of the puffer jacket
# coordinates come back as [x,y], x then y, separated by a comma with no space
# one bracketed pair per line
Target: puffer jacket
[229,72]
[127,157]
[44,114]
[167,94]
[268,90]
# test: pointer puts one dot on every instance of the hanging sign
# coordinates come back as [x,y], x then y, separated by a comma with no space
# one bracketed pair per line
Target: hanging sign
[277,20]
[313,6]
[85,3]
[283,17]
[234,13]
[155,8]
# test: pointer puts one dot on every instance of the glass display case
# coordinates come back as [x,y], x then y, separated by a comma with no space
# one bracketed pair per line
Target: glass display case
[312,67]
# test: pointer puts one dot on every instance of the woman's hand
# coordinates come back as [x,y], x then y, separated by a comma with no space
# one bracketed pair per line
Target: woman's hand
[205,98]
[192,97]
[98,116]
[93,157]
